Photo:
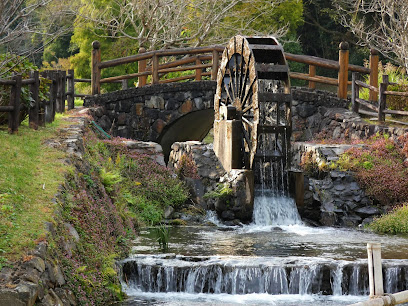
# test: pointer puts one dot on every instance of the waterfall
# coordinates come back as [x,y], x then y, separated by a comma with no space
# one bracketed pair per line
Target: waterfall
[237,275]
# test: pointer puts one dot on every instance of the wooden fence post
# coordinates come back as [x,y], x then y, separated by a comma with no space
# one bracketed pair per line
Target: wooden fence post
[355,91]
[312,73]
[71,89]
[54,97]
[214,68]
[33,112]
[375,269]
[124,84]
[198,70]
[373,74]
[343,70]
[15,101]
[142,68]
[59,91]
[47,116]
[155,69]
[96,71]
[382,102]
[63,89]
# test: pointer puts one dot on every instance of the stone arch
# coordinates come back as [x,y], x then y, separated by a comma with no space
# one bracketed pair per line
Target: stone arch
[194,125]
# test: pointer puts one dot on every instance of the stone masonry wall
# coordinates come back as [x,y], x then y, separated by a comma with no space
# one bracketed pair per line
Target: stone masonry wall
[332,198]
[142,113]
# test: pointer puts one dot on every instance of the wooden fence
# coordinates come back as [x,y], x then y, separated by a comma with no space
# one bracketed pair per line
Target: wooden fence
[61,88]
[208,58]
[195,59]
[380,107]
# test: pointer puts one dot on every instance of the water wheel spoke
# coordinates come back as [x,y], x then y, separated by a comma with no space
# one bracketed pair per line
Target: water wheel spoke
[241,72]
[247,122]
[246,136]
[249,92]
[231,73]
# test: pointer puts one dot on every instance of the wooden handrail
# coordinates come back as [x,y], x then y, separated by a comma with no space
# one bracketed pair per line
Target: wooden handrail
[165,52]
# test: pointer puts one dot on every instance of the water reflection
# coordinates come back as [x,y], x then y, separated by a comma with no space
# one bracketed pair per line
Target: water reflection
[271,241]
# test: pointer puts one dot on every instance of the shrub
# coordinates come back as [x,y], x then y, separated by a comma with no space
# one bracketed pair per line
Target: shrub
[380,168]
[394,222]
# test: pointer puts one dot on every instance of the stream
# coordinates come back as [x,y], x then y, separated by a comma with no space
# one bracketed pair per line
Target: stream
[276,260]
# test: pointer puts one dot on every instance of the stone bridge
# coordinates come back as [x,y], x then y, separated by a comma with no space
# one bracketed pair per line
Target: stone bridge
[163,113]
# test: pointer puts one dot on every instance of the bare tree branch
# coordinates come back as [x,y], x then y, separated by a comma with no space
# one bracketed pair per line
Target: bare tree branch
[157,24]
[26,27]
[379,24]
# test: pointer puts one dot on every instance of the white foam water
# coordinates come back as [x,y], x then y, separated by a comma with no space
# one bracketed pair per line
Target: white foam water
[179,299]
[270,209]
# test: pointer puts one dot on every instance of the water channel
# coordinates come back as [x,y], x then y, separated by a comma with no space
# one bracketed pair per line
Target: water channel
[274,261]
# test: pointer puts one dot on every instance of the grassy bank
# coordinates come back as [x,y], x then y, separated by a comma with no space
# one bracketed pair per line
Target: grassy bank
[30,173]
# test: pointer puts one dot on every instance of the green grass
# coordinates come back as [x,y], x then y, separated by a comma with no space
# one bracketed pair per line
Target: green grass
[30,173]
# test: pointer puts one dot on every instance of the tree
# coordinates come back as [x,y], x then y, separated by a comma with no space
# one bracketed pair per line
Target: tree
[161,24]
[379,24]
[26,26]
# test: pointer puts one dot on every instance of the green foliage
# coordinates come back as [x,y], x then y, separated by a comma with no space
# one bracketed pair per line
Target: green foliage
[395,222]
[380,168]
[163,234]
[141,188]
[222,192]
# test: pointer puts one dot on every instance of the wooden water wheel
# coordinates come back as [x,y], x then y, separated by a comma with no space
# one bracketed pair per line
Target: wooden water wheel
[253,78]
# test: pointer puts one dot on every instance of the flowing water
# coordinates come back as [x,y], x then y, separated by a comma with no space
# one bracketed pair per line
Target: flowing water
[276,260]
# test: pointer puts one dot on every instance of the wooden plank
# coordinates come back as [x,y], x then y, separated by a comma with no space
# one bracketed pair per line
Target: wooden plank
[270,68]
[7,82]
[362,84]
[396,93]
[356,68]
[70,89]
[6,108]
[186,77]
[355,91]
[185,68]
[367,104]
[82,80]
[215,64]
[15,101]
[274,97]
[395,112]
[82,95]
[33,119]
[28,81]
[264,129]
[125,77]
[312,73]
[266,47]
[317,79]
[312,60]
[166,52]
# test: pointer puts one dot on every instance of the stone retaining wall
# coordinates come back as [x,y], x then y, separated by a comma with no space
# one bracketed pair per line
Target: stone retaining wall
[332,198]
[210,174]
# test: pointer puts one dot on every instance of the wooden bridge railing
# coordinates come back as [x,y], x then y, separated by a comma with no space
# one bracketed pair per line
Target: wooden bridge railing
[380,107]
[342,66]
[193,59]
[208,57]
